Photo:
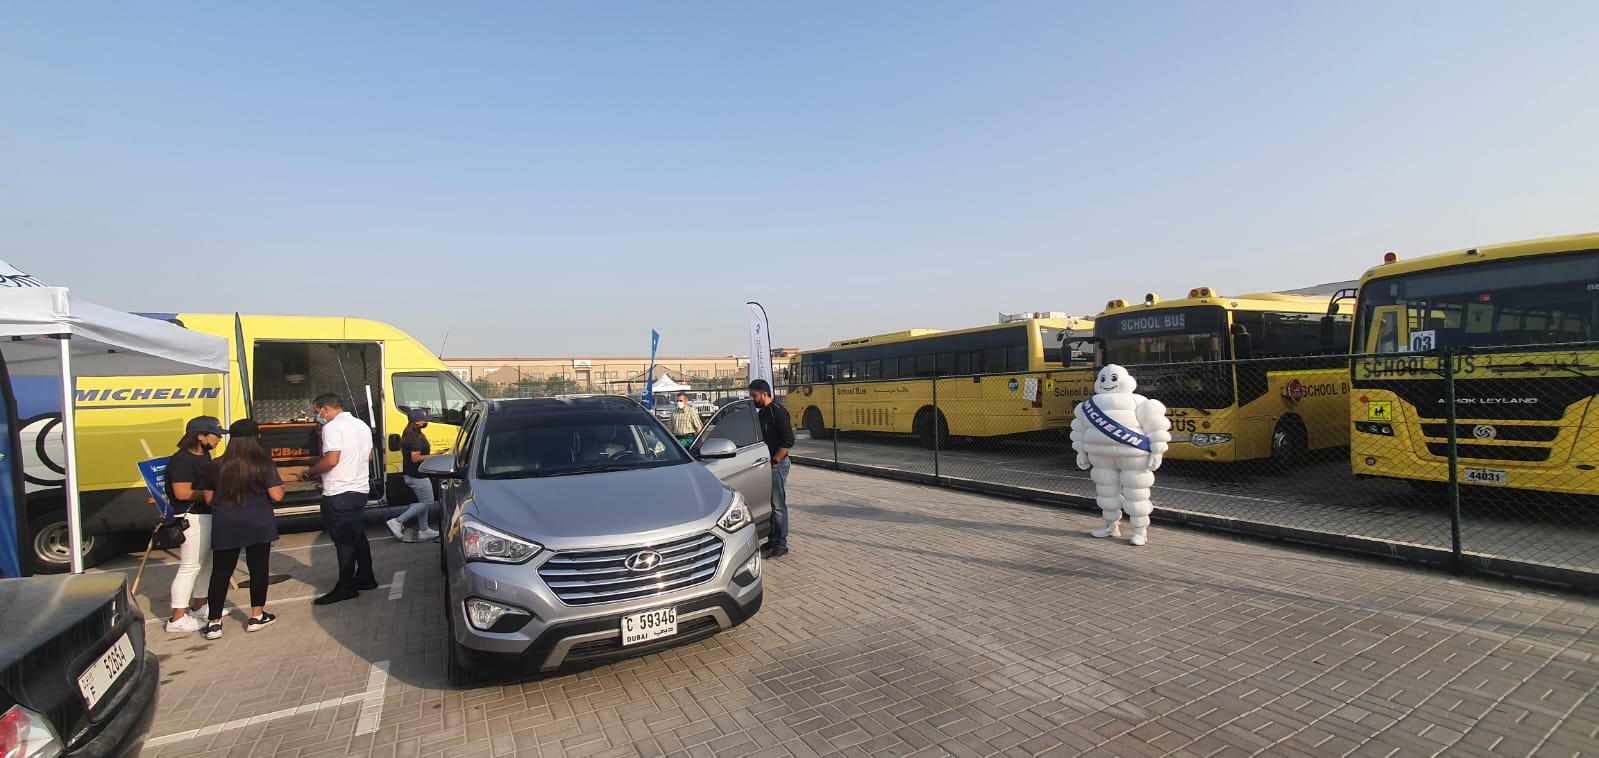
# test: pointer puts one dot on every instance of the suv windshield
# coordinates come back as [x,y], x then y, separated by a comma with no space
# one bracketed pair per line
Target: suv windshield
[557,442]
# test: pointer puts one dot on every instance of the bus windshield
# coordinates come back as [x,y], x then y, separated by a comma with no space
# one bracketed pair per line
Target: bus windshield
[1175,352]
[1175,335]
[1525,301]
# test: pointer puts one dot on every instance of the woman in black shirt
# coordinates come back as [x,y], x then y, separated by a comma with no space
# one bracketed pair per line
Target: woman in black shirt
[247,484]
[188,476]
[415,448]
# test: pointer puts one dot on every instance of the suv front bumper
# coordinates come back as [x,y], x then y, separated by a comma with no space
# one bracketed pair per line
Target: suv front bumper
[560,635]
[598,639]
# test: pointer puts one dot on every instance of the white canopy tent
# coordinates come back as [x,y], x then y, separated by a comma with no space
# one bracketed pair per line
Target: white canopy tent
[46,331]
[667,384]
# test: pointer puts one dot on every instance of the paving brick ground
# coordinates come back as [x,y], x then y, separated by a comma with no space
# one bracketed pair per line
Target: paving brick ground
[912,620]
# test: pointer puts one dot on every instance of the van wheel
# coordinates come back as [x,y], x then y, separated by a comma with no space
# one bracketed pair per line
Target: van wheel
[454,672]
[1290,445]
[931,428]
[814,425]
[52,544]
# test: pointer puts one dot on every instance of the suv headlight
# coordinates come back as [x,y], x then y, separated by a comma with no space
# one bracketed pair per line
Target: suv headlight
[480,543]
[737,515]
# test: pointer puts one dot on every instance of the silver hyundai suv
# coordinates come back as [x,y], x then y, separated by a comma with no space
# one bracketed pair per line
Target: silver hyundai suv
[579,530]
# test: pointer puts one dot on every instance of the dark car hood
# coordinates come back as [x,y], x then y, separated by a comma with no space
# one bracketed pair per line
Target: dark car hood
[585,509]
[39,609]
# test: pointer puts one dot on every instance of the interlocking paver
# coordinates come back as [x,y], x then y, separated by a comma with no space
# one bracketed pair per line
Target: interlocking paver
[911,621]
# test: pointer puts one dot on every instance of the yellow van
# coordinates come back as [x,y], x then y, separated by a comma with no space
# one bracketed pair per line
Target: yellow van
[279,364]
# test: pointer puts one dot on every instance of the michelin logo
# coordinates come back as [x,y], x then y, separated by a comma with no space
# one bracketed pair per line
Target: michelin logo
[148,393]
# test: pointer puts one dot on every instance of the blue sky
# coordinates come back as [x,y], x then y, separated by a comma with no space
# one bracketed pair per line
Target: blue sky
[557,179]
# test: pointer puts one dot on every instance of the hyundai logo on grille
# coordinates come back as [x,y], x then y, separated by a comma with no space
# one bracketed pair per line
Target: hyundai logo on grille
[643,560]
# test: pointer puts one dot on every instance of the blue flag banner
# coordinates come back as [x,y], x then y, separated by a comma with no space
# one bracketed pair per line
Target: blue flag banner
[649,380]
[154,473]
[1112,429]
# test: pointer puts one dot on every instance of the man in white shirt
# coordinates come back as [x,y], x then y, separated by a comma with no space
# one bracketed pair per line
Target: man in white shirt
[346,484]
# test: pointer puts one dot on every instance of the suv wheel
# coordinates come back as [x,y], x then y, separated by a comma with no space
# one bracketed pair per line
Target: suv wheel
[454,672]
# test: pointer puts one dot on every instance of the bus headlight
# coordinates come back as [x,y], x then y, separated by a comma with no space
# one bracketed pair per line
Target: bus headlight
[1211,440]
[1386,430]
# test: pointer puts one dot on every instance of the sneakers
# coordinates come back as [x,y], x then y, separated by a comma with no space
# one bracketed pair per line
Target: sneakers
[189,623]
[427,535]
[213,630]
[395,529]
[257,623]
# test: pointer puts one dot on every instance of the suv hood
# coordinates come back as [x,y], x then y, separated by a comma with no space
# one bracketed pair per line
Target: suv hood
[586,509]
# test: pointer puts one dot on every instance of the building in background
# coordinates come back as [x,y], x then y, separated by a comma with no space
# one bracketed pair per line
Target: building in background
[533,377]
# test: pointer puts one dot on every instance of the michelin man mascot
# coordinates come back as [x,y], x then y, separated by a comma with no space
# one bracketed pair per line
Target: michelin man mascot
[1120,438]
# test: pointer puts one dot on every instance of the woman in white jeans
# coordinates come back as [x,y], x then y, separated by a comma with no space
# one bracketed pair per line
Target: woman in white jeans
[189,480]
[414,448]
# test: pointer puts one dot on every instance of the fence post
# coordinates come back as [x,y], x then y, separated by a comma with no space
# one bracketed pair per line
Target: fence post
[1447,356]
[934,422]
[833,381]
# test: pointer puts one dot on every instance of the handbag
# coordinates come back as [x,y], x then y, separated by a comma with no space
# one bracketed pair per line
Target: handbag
[170,532]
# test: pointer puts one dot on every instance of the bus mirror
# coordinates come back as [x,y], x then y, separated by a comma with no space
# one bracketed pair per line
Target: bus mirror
[1080,351]
[394,443]
[1243,345]
[1328,333]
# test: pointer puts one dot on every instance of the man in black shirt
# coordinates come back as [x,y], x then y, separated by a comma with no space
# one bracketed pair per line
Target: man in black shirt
[779,434]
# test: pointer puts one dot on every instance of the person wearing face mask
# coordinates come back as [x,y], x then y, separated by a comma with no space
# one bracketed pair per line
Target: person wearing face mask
[346,453]
[189,480]
[414,448]
[685,420]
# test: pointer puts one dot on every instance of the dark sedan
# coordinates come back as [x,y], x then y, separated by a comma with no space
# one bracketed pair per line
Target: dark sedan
[75,679]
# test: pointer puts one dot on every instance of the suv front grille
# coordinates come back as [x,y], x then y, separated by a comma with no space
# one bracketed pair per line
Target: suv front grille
[602,576]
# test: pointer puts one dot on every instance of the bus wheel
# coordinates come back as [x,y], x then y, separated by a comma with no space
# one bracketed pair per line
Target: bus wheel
[814,425]
[1290,446]
[931,428]
[52,544]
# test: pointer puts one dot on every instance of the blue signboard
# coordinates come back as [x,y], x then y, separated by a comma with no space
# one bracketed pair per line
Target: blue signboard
[154,473]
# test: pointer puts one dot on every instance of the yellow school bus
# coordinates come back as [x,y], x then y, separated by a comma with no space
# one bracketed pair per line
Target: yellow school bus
[279,364]
[1244,378]
[1003,379]
[1520,324]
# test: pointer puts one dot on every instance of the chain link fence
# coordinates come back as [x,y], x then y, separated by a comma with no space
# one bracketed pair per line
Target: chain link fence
[1368,454]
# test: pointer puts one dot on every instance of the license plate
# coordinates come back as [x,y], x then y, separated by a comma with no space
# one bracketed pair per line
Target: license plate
[97,680]
[649,625]
[1486,476]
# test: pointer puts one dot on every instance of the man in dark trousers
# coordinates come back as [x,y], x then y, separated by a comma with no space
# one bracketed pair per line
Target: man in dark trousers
[779,434]
[346,483]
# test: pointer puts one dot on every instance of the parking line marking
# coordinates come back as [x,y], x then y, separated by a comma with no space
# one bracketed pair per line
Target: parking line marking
[372,702]
[397,587]
[207,731]
[370,712]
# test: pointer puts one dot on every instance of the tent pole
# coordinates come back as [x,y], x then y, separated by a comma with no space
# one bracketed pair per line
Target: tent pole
[69,434]
[227,404]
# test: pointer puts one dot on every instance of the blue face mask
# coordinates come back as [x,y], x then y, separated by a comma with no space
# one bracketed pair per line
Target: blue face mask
[321,420]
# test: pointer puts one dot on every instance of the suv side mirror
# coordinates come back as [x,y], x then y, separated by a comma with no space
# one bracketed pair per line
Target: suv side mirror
[441,466]
[716,448]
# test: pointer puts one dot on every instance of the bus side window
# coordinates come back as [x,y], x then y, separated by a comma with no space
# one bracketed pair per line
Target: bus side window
[1386,337]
